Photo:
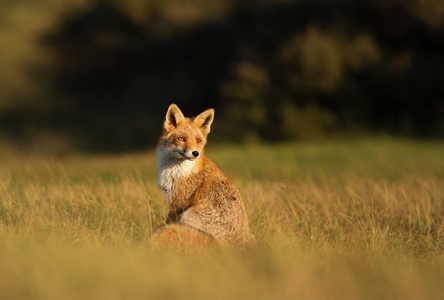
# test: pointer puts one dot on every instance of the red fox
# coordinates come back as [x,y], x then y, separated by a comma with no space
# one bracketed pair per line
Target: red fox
[206,208]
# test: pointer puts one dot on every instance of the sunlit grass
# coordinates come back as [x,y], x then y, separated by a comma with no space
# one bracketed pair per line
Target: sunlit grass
[338,220]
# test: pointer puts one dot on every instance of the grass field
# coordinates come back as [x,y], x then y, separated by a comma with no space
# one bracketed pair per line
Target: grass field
[333,220]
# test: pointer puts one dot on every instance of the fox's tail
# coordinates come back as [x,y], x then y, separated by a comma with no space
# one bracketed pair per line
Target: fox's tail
[175,236]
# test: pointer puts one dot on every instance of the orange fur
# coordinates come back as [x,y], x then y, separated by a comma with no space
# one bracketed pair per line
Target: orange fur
[200,196]
[175,236]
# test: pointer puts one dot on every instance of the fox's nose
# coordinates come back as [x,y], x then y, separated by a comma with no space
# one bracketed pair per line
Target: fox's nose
[195,153]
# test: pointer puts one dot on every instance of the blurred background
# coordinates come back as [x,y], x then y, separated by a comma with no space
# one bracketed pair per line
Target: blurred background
[98,76]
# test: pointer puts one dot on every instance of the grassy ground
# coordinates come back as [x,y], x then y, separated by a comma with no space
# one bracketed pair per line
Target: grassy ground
[345,220]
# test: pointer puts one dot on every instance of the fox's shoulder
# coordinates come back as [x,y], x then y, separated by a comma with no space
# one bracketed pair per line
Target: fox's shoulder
[213,173]
[217,183]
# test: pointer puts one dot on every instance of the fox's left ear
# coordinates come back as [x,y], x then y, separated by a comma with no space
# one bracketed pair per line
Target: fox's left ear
[204,120]
[174,118]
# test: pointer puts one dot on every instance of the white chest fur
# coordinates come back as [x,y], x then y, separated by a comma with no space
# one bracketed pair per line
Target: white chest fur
[171,170]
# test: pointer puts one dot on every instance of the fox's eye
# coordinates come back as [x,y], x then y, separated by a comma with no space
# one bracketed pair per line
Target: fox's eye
[198,140]
[182,139]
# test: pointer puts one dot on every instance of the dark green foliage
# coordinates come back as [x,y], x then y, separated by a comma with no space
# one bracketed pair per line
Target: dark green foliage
[273,70]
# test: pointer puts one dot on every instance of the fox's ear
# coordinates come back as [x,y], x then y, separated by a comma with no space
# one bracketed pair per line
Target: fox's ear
[174,118]
[204,120]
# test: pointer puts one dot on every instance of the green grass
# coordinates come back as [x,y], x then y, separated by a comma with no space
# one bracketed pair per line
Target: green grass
[333,220]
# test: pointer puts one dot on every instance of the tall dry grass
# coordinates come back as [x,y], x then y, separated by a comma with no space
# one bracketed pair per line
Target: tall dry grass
[345,220]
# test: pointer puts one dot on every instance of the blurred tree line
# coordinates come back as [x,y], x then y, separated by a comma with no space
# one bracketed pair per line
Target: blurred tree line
[99,75]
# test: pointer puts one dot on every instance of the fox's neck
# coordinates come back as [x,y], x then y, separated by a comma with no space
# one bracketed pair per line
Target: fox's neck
[172,171]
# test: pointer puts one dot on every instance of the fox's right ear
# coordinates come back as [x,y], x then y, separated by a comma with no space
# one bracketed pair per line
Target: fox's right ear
[204,121]
[174,118]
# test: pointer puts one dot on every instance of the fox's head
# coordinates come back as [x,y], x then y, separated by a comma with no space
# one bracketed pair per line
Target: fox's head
[186,137]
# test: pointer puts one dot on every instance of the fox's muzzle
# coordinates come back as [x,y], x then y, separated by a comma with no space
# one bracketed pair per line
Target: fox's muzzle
[190,155]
